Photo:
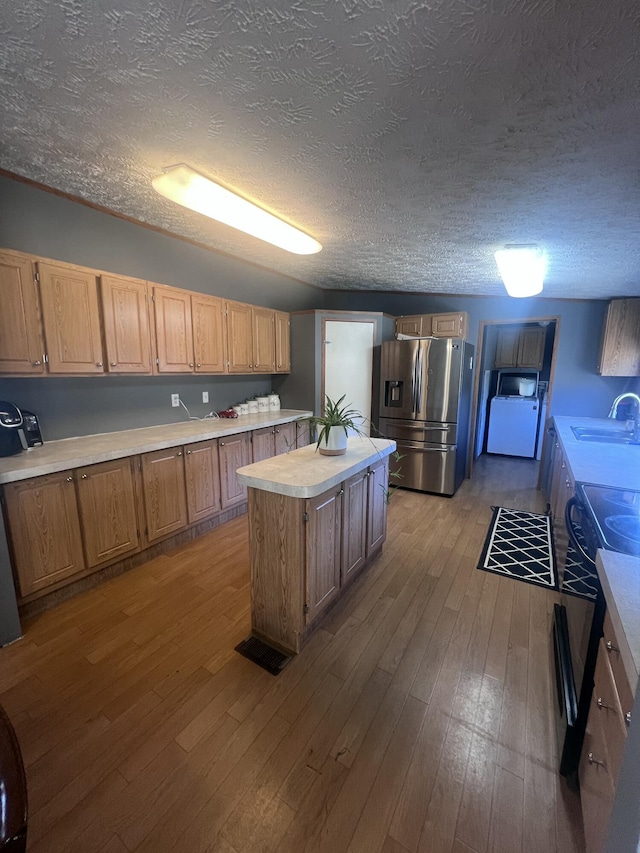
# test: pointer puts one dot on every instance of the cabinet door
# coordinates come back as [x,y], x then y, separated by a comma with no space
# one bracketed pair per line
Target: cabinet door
[531,347]
[413,325]
[596,783]
[71,319]
[45,530]
[286,438]
[264,340]
[126,324]
[107,511]
[235,452]
[324,530]
[283,342]
[449,325]
[378,490]
[174,336]
[208,333]
[21,342]
[239,337]
[507,347]
[202,471]
[163,485]
[354,524]
[263,444]
[303,433]
[558,485]
[620,354]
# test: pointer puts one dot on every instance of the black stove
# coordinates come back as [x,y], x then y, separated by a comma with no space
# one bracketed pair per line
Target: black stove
[611,518]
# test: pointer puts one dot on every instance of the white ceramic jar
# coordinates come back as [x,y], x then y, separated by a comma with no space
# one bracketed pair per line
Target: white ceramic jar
[253,407]
[237,410]
[263,404]
[274,403]
[244,408]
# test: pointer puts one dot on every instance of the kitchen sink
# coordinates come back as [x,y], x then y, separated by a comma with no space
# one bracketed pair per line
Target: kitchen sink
[606,436]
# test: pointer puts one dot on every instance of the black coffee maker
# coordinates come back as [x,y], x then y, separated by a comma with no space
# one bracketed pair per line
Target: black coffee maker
[10,425]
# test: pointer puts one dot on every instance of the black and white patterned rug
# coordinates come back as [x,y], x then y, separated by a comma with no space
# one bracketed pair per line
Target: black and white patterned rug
[520,545]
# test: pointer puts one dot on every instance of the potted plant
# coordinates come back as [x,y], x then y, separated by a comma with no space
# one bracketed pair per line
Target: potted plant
[334,425]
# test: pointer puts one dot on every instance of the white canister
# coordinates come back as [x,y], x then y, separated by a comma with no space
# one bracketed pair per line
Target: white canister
[527,387]
[274,403]
[244,408]
[237,410]
[263,404]
[253,407]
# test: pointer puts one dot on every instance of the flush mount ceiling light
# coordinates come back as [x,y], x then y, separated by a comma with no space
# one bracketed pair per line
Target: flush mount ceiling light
[189,188]
[522,268]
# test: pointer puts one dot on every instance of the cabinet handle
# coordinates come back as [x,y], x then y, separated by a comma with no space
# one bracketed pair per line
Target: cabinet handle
[37,363]
[98,364]
[198,364]
[602,705]
[595,761]
[341,492]
[188,453]
[179,453]
[83,476]
[113,364]
[627,718]
[69,479]
[190,364]
[222,444]
[611,647]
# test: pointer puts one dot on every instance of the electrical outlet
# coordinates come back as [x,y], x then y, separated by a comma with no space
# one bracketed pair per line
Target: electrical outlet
[175,400]
[205,396]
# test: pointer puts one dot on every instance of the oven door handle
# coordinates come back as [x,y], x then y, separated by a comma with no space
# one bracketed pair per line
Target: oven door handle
[571,530]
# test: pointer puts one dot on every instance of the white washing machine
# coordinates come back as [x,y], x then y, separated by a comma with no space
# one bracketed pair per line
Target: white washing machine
[513,426]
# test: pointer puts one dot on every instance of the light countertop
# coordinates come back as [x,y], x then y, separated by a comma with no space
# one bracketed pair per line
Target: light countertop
[305,473]
[598,462]
[66,453]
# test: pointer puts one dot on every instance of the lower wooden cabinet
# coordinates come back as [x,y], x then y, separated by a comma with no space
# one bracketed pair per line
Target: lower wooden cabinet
[107,511]
[163,486]
[354,521]
[202,472]
[44,528]
[285,438]
[263,444]
[303,433]
[377,503]
[235,452]
[324,531]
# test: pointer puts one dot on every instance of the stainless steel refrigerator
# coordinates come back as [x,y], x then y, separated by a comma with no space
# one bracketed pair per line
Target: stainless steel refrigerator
[425,395]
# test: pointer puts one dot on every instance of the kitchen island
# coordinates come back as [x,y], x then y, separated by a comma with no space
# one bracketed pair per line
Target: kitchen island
[315,522]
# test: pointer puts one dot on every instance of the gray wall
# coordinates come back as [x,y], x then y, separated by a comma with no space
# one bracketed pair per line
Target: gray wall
[35,221]
[577,389]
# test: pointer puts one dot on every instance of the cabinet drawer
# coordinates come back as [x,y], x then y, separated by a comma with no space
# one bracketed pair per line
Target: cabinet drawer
[596,785]
[625,692]
[608,709]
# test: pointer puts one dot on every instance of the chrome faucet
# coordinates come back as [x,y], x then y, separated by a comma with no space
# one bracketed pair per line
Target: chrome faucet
[613,412]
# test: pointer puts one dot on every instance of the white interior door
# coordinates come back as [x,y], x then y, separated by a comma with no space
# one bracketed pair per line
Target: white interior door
[348,365]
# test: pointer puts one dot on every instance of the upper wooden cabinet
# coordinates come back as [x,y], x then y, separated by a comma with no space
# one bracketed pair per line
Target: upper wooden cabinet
[620,352]
[44,531]
[283,342]
[239,337]
[174,334]
[107,511]
[126,324]
[454,324]
[71,314]
[518,346]
[21,342]
[264,340]
[207,315]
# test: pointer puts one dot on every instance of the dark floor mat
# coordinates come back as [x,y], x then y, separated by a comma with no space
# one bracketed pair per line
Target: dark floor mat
[264,655]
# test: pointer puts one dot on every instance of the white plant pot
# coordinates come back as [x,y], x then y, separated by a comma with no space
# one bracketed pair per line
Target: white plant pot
[336,442]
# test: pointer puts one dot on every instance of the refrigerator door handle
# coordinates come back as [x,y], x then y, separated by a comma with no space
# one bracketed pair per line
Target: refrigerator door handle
[414,384]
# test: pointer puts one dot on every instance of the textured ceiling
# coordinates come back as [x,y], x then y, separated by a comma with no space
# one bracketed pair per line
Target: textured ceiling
[411,137]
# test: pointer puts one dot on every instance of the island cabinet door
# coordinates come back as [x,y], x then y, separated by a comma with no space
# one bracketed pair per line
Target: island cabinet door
[354,524]
[45,531]
[163,485]
[107,511]
[286,438]
[202,470]
[324,529]
[263,445]
[378,491]
[235,452]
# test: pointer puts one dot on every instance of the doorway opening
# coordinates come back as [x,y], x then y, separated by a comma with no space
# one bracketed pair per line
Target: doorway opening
[507,351]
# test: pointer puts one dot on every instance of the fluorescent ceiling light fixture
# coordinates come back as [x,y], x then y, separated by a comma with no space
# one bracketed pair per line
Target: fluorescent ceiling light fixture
[522,269]
[191,189]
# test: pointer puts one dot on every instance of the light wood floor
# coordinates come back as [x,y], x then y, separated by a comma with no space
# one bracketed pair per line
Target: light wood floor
[419,718]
